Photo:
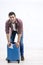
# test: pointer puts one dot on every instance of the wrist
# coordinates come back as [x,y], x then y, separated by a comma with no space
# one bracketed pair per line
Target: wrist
[18,41]
[8,41]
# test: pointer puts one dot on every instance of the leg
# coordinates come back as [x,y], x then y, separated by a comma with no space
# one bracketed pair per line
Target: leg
[22,48]
[13,36]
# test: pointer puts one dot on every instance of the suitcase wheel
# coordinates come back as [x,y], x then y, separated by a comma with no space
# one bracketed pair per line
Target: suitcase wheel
[18,61]
[8,61]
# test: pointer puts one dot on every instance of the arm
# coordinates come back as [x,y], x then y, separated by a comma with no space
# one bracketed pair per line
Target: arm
[8,35]
[8,32]
[8,39]
[20,30]
[18,41]
[19,37]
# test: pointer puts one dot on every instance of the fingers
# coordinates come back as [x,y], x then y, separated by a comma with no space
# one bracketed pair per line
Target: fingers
[9,44]
[17,44]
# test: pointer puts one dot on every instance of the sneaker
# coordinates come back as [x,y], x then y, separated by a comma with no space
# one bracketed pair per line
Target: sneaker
[22,58]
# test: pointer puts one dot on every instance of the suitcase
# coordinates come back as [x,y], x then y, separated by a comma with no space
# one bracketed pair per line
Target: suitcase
[13,53]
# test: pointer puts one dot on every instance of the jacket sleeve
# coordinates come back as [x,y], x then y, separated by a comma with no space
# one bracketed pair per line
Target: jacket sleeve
[20,27]
[6,27]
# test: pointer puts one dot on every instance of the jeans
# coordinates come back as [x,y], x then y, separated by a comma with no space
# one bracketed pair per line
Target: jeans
[21,42]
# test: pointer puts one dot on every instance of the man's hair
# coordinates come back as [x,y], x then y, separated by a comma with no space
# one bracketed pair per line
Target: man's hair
[11,13]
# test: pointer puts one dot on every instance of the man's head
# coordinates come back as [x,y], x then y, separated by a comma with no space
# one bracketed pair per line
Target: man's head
[12,16]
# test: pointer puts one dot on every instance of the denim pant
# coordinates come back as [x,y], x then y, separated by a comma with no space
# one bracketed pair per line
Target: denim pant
[21,42]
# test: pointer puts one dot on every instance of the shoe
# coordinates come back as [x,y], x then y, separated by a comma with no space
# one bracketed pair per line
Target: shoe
[22,58]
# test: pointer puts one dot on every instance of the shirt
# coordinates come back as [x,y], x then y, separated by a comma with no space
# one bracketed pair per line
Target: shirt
[14,28]
[18,26]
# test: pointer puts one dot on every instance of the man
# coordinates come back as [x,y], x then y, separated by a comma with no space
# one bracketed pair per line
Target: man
[12,27]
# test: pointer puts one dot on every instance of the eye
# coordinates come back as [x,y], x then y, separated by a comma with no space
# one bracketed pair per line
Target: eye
[11,17]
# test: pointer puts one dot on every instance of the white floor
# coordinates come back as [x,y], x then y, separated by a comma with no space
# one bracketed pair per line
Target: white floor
[33,56]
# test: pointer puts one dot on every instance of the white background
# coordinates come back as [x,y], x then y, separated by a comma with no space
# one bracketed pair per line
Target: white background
[31,13]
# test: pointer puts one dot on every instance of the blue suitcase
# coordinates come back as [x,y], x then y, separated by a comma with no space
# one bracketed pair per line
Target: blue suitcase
[13,54]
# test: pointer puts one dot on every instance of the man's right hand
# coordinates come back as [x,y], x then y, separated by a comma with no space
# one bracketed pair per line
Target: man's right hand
[9,44]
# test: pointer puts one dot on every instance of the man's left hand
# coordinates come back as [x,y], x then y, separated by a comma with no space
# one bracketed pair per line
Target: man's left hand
[17,44]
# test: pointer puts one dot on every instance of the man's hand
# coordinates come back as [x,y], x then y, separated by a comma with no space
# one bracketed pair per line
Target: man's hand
[18,41]
[17,44]
[9,44]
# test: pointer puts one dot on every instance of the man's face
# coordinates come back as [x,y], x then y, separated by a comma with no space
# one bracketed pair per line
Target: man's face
[12,18]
